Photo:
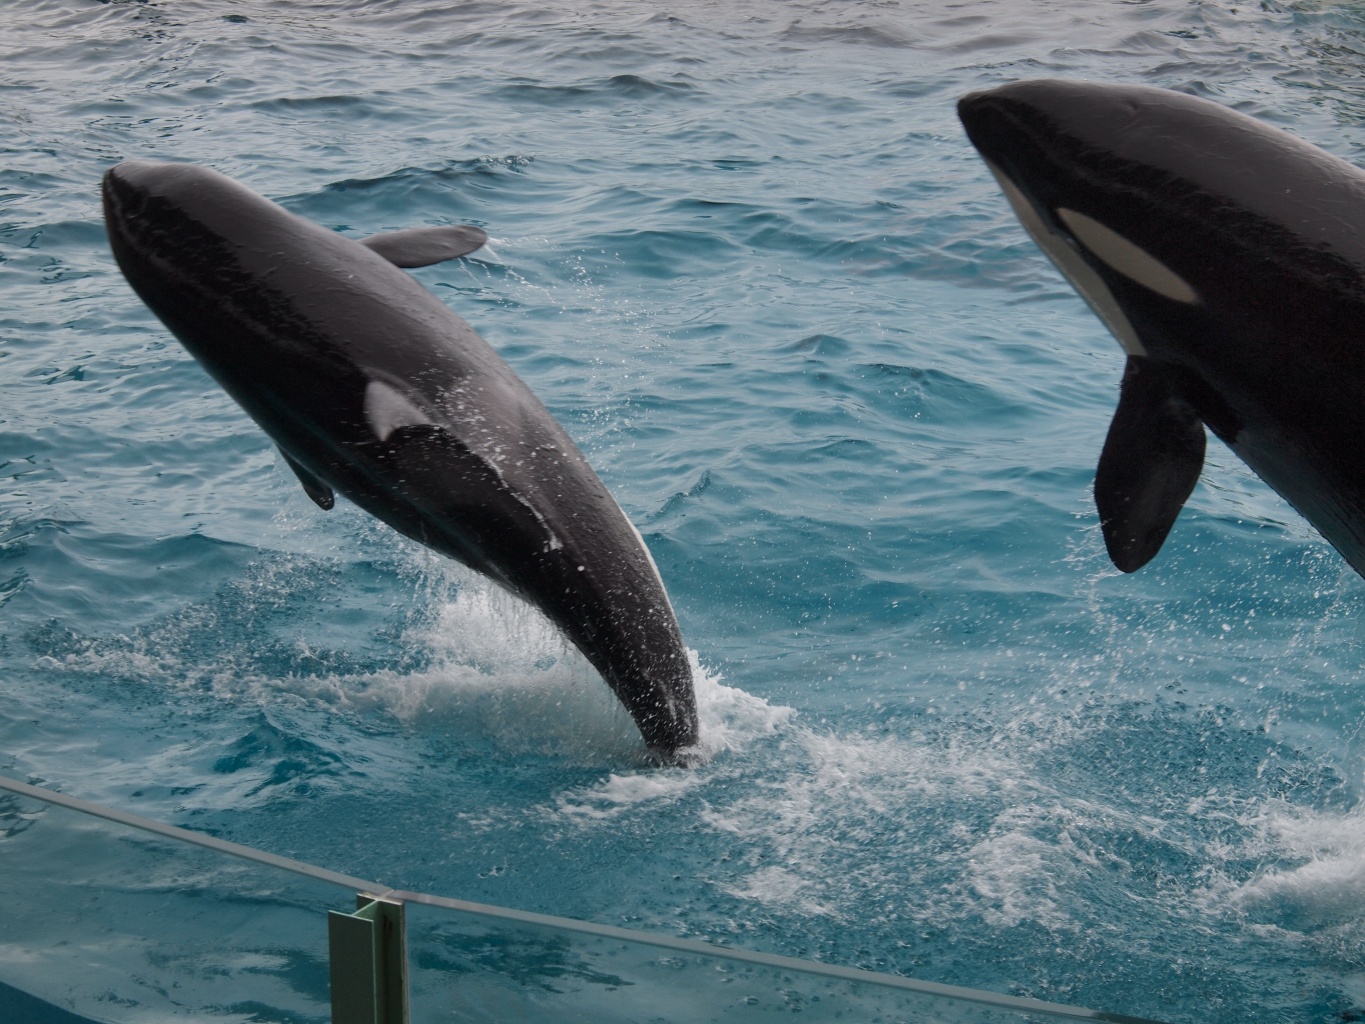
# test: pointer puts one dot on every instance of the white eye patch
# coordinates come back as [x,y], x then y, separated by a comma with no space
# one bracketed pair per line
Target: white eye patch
[1132,261]
[387,409]
[1082,275]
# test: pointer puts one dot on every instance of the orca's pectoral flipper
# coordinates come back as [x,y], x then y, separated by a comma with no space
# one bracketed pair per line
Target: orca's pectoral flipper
[421,247]
[1150,464]
[312,486]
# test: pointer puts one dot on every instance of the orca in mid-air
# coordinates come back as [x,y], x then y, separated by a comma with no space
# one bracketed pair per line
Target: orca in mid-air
[374,389]
[1228,259]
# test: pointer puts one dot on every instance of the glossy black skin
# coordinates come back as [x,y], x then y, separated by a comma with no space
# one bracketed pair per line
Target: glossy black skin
[1268,230]
[295,321]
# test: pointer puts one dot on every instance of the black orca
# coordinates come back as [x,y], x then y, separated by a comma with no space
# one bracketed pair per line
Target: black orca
[374,389]
[1228,259]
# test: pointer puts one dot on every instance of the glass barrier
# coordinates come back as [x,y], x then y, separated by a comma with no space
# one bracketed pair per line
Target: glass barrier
[165,925]
[153,929]
[467,967]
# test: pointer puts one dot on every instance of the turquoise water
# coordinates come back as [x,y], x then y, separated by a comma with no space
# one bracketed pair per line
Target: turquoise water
[744,253]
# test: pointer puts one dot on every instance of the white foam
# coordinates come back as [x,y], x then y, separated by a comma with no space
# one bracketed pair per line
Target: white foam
[503,669]
[729,718]
[498,673]
[780,887]
[1323,883]
[1011,881]
[619,793]
[851,809]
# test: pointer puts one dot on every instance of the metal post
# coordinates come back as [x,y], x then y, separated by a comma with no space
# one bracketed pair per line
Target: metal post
[368,958]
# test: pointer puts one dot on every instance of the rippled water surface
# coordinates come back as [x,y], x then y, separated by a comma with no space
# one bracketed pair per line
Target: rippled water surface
[744,253]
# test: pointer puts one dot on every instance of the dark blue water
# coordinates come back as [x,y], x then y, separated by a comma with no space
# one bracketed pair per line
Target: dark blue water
[744,253]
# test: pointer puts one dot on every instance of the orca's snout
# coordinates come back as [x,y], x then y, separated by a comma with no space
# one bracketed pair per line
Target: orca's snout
[971,109]
[146,176]
[971,106]
[128,173]
[138,194]
[118,191]
[1000,121]
[131,182]
[129,192]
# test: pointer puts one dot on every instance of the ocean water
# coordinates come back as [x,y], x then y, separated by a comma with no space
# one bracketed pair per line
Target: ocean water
[745,254]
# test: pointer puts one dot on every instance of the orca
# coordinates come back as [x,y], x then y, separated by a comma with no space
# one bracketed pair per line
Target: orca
[1228,259]
[374,389]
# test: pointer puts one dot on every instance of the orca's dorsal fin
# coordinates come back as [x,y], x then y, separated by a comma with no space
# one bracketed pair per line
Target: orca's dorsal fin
[421,247]
[313,487]
[1150,464]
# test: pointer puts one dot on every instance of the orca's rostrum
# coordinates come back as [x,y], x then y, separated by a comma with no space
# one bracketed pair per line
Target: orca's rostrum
[374,389]
[1228,259]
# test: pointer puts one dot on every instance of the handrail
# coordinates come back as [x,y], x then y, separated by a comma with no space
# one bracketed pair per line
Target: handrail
[694,947]
[184,835]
